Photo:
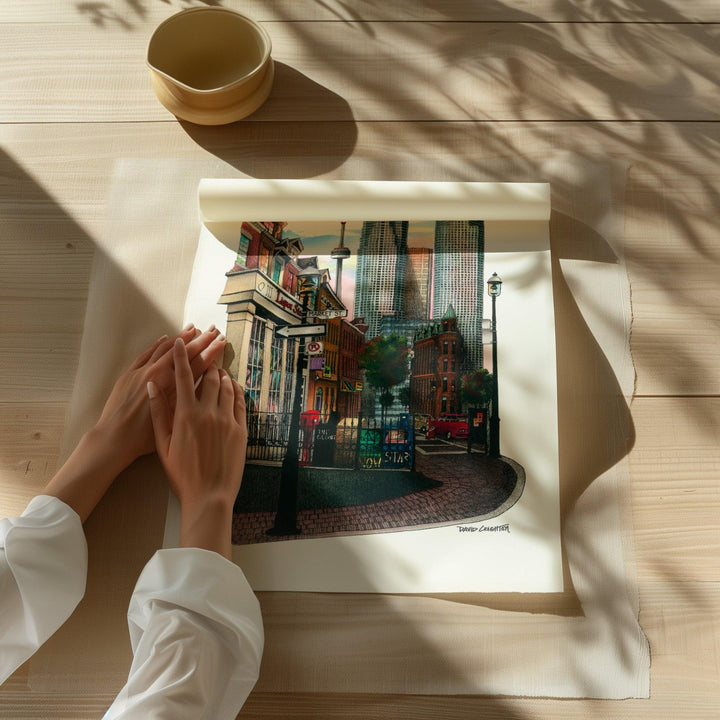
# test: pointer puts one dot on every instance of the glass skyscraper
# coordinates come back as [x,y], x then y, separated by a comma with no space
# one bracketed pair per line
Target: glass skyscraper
[380,274]
[458,281]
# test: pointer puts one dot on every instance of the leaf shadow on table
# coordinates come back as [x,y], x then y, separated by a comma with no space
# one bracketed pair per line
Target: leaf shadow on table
[504,152]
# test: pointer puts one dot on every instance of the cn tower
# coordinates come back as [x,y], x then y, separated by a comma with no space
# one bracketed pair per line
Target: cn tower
[339,254]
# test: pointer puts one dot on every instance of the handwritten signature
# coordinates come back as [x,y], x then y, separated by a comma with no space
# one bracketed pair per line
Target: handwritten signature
[484,528]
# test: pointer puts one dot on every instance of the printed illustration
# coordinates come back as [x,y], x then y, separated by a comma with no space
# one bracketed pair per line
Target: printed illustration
[371,379]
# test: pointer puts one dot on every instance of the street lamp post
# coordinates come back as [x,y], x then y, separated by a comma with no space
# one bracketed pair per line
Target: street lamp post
[286,515]
[494,286]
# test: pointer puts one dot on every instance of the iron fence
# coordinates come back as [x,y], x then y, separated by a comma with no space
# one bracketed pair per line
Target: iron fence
[361,442]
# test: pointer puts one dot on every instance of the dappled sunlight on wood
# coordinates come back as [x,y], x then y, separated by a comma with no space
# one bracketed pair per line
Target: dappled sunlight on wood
[614,102]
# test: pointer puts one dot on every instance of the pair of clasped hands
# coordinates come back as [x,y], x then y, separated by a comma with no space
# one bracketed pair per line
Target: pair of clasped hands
[174,400]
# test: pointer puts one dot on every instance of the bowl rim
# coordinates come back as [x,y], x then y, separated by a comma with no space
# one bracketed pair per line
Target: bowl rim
[233,112]
[208,10]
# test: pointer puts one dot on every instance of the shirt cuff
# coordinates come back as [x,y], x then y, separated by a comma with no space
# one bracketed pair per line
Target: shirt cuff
[43,570]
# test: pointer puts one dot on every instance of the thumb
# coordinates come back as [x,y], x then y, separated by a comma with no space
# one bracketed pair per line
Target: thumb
[160,416]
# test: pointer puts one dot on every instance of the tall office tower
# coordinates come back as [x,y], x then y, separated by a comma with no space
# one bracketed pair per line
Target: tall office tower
[416,293]
[458,281]
[380,273]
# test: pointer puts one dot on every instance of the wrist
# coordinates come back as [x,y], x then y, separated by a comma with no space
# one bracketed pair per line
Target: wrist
[206,522]
[89,471]
[110,444]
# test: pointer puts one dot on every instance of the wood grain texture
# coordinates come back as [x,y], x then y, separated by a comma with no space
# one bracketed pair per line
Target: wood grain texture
[130,14]
[440,71]
[674,464]
[31,434]
[666,176]
[681,619]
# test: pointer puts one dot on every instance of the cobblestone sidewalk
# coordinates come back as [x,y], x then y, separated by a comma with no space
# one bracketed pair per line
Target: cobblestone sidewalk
[474,487]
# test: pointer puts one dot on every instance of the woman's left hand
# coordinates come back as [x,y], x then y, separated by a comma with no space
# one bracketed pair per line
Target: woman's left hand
[126,415]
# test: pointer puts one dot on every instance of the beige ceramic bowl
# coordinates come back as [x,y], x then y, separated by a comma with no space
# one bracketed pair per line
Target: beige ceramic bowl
[210,66]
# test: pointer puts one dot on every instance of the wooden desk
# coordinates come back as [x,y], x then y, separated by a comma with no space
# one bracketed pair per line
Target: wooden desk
[405,90]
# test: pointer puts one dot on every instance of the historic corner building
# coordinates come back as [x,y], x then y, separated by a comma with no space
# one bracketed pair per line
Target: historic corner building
[438,352]
[431,296]
[261,295]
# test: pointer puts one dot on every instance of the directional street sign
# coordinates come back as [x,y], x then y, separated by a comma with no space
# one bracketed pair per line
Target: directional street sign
[328,313]
[301,331]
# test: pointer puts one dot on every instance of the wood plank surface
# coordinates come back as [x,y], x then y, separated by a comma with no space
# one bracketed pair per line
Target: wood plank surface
[440,71]
[669,191]
[131,14]
[617,96]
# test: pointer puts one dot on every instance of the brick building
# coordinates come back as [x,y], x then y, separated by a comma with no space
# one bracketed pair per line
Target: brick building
[334,388]
[438,352]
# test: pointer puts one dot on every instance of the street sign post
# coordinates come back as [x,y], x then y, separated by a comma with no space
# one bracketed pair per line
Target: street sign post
[301,331]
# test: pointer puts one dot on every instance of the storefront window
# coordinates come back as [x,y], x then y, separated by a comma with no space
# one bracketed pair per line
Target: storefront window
[264,263]
[277,269]
[289,374]
[243,246]
[275,395]
[253,380]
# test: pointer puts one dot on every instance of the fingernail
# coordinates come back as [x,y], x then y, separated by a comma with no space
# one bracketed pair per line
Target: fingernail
[162,337]
[188,327]
[151,390]
[221,338]
[179,342]
[211,328]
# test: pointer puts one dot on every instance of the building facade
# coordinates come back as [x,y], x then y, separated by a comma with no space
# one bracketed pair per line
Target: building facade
[380,272]
[438,351]
[458,281]
[335,388]
[262,296]
[418,282]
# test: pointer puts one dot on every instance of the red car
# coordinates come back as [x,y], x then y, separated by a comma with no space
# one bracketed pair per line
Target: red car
[450,426]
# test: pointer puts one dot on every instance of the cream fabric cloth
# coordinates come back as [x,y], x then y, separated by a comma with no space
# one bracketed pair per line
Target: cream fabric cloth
[457,644]
[195,624]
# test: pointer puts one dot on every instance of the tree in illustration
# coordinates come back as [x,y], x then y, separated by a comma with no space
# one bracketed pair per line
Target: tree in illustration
[385,362]
[476,388]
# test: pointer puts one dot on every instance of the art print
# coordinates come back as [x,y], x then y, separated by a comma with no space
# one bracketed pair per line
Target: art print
[369,380]
[400,385]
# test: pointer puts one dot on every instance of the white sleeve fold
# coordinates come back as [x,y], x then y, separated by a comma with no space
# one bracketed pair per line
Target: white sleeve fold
[197,639]
[43,570]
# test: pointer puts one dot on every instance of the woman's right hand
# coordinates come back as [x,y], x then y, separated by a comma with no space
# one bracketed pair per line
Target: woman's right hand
[202,447]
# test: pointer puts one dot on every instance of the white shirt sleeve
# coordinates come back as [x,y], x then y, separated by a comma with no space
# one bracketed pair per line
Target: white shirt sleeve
[197,639]
[43,569]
